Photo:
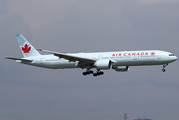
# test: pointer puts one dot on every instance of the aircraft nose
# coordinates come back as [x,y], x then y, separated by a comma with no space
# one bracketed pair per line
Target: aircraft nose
[172,57]
[175,58]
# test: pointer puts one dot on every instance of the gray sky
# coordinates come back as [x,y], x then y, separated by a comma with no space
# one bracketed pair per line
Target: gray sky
[32,93]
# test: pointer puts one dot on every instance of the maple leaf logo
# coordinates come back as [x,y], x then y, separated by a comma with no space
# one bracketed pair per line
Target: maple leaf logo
[152,53]
[26,48]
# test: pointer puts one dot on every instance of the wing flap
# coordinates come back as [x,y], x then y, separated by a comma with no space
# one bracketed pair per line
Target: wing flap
[18,59]
[70,57]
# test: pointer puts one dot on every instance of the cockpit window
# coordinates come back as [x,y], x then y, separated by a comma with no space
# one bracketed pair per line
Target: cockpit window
[171,54]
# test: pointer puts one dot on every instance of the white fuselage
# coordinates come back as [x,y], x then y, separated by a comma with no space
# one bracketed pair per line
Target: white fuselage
[119,58]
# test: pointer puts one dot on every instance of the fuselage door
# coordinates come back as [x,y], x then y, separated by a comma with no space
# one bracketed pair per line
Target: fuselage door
[41,60]
[159,56]
[99,57]
[135,57]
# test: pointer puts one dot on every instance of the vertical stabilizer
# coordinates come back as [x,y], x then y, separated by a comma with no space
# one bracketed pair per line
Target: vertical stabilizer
[27,49]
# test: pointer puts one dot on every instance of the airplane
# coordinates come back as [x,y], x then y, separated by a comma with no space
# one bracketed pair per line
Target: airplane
[120,61]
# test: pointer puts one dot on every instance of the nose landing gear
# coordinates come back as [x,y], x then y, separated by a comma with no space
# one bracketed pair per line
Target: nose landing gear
[163,70]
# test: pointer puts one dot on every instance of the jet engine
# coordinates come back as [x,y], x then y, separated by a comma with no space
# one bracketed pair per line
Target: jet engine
[103,64]
[121,68]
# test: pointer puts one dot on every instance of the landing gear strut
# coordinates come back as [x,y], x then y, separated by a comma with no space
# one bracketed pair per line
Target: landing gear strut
[163,70]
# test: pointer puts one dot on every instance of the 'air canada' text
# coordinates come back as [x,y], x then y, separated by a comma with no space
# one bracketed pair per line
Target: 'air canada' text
[132,54]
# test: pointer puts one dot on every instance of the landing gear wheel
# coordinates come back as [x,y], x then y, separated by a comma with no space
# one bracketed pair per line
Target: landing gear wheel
[163,70]
[98,73]
[91,72]
[87,72]
[101,73]
[84,73]
[95,74]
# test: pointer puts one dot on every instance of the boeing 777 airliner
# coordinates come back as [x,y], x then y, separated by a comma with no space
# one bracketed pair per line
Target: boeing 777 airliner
[118,60]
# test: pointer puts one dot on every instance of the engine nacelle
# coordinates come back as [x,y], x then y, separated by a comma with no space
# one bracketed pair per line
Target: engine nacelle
[121,68]
[103,64]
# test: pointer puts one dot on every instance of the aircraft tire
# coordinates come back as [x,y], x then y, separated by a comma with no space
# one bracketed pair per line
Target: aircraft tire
[163,70]
[88,72]
[95,74]
[98,73]
[84,73]
[91,72]
[101,73]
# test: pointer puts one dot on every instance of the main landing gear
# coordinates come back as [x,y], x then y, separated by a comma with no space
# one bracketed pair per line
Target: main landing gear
[98,72]
[88,72]
[163,70]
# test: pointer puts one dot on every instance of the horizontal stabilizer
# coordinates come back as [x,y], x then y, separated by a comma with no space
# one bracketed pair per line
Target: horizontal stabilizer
[18,59]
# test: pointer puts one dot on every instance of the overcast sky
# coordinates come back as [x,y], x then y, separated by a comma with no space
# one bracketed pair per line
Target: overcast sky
[71,26]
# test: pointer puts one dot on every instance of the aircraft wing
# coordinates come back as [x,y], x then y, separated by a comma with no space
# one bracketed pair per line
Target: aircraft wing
[70,57]
[19,59]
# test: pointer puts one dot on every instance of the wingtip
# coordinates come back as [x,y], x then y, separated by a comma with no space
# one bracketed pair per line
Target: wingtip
[6,57]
